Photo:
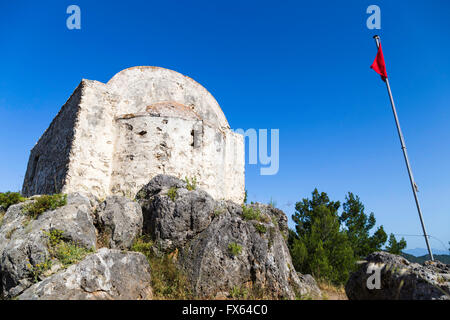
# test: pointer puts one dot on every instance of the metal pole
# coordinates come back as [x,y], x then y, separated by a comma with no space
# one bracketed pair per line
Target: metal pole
[405,155]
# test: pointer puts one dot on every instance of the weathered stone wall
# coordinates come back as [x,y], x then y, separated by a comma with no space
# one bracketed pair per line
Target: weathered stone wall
[149,145]
[93,147]
[113,138]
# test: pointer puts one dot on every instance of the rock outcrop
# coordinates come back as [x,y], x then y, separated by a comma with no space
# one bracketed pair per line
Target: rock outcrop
[81,250]
[220,247]
[24,244]
[26,255]
[119,220]
[399,279]
[310,285]
[108,274]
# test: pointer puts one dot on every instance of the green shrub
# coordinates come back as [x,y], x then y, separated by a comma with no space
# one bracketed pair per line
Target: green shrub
[7,199]
[250,213]
[260,228]
[66,252]
[191,184]
[172,193]
[234,248]
[239,292]
[142,245]
[44,203]
[69,253]
[38,269]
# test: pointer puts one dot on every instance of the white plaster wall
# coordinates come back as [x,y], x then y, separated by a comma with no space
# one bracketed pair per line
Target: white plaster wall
[147,146]
[92,151]
[105,150]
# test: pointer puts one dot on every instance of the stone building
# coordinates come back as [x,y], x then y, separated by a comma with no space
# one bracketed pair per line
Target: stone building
[113,138]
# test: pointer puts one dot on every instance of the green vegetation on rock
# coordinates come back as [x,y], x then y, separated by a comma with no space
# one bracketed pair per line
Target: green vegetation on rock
[44,203]
[168,281]
[260,228]
[7,199]
[250,213]
[191,184]
[234,248]
[172,193]
[66,252]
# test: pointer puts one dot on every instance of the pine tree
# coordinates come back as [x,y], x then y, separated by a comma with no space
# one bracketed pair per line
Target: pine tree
[394,246]
[358,225]
[319,246]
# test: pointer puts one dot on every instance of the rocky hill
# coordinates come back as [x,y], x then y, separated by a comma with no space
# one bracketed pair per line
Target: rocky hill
[81,247]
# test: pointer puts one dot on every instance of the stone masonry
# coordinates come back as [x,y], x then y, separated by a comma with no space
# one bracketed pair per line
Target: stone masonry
[113,138]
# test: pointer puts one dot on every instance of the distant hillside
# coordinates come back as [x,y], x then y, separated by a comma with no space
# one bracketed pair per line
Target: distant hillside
[418,252]
[444,258]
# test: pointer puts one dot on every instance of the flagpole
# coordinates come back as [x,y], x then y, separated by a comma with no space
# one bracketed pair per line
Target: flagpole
[405,154]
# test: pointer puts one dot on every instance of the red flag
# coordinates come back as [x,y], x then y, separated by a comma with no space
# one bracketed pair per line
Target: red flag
[378,65]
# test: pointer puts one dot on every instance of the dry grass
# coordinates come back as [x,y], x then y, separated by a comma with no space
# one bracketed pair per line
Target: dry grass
[332,292]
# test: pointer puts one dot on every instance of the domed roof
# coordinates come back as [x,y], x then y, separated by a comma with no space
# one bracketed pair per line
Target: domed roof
[138,88]
[172,109]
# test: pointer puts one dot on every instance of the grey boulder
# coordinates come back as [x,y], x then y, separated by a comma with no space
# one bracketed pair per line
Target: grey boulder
[119,220]
[310,284]
[172,222]
[24,244]
[399,279]
[204,232]
[108,274]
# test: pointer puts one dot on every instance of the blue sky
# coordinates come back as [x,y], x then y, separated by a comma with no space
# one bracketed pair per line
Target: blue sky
[300,67]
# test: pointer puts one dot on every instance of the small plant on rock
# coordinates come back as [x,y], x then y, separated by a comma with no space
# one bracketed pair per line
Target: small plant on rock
[44,203]
[250,213]
[191,184]
[234,248]
[172,193]
[260,228]
[272,203]
[142,245]
[239,292]
[38,269]
[66,252]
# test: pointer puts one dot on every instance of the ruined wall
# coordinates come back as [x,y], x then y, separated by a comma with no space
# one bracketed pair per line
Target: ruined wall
[49,159]
[150,145]
[114,137]
[93,148]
